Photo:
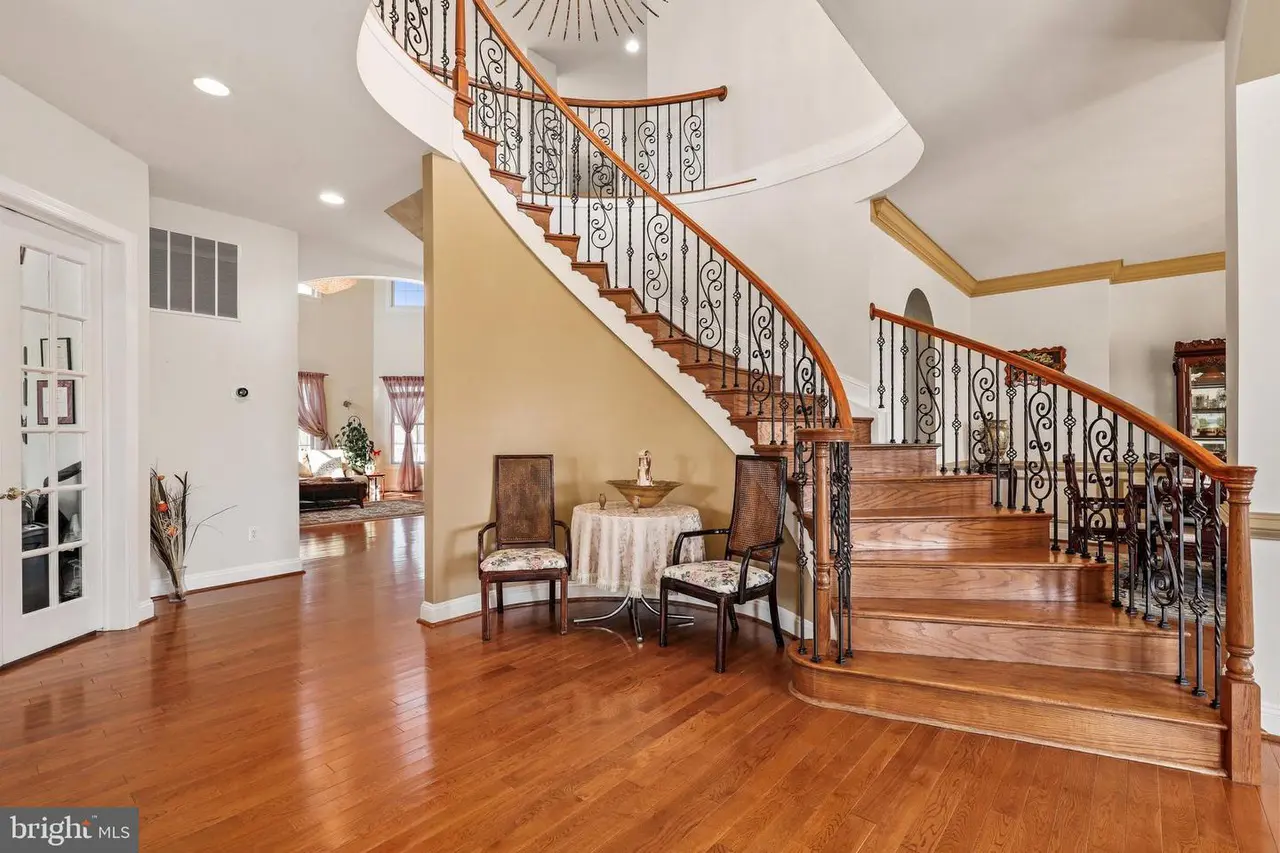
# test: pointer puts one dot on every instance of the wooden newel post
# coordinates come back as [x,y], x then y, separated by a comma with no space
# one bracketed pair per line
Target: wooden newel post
[462,99]
[823,561]
[1241,696]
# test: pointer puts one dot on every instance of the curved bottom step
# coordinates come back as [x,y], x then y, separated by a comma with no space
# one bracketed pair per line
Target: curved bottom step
[1124,715]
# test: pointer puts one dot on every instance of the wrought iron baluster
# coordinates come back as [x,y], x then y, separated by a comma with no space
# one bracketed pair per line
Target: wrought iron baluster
[1149,530]
[1055,451]
[737,330]
[1131,523]
[1073,494]
[1198,604]
[906,378]
[1180,569]
[1217,601]
[880,359]
[893,429]
[956,423]
[1026,446]
[994,435]
[970,448]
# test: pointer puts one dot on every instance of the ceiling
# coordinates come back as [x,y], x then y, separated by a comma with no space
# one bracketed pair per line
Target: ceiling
[1056,132]
[298,120]
[588,50]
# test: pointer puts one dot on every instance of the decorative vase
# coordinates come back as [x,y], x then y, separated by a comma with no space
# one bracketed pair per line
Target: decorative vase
[177,590]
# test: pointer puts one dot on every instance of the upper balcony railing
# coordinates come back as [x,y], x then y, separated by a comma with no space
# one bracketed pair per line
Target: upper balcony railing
[663,139]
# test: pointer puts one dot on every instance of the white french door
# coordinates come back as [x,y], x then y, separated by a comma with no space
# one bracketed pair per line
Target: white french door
[50,441]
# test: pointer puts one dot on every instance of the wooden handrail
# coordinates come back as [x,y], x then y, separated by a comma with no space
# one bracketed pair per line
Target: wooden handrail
[844,415]
[1201,458]
[719,93]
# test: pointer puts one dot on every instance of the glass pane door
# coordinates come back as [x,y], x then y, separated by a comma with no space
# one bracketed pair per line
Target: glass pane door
[50,508]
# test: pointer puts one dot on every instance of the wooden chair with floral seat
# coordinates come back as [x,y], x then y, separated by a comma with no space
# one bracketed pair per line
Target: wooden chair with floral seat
[754,535]
[524,493]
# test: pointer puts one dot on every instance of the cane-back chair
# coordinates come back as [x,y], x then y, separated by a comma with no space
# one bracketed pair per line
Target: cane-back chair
[750,566]
[524,496]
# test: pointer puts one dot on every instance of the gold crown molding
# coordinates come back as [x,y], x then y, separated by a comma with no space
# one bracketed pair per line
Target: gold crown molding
[1264,525]
[892,221]
[1105,270]
[1190,265]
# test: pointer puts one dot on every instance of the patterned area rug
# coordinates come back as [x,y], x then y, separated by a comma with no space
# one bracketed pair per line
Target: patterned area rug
[369,512]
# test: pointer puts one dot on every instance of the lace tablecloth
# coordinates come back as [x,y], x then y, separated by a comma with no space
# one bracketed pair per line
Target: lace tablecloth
[618,548]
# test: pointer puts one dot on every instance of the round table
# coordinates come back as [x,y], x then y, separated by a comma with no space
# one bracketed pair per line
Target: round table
[620,549]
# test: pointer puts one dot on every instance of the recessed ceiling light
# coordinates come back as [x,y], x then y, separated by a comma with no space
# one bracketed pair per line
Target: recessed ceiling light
[211,87]
[633,45]
[331,197]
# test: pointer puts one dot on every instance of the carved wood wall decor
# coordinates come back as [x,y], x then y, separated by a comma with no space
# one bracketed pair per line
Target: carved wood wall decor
[1052,357]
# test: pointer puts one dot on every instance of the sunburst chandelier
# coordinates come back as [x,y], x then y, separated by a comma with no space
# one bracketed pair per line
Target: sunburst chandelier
[568,14]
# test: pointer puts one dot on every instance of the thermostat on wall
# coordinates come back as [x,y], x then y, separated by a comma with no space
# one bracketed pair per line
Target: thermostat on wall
[242,392]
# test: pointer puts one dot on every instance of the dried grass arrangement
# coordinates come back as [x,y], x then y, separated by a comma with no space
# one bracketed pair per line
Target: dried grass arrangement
[172,534]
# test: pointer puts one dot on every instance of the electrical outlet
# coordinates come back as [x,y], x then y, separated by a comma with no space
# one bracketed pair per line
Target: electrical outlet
[253,534]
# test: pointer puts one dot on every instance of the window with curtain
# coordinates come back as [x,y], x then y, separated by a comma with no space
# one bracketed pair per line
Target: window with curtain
[397,439]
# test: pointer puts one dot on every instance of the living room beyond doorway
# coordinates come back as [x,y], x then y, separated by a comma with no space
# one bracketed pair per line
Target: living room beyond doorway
[361,418]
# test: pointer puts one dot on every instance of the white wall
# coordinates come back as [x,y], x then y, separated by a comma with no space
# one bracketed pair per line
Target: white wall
[335,336]
[1147,318]
[1252,337]
[1119,338]
[617,78]
[1076,316]
[759,50]
[45,150]
[239,453]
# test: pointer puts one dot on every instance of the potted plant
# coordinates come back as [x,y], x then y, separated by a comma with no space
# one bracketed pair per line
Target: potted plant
[356,446]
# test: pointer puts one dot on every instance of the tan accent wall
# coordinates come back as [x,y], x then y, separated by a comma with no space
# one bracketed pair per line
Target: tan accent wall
[516,364]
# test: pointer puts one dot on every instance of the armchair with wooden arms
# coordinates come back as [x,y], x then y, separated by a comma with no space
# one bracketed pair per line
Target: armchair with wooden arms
[754,534]
[524,492]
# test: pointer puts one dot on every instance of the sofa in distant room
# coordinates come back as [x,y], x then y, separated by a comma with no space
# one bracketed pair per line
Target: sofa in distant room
[322,483]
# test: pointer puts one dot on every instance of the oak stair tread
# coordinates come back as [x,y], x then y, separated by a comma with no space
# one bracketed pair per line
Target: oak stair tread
[925,513]
[916,478]
[496,172]
[1129,694]
[1066,615]
[541,208]
[472,135]
[1017,558]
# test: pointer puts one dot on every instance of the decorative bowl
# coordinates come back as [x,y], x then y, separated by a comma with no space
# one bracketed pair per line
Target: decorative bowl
[648,496]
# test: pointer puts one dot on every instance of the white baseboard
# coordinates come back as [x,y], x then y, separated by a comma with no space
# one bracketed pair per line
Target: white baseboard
[1271,718]
[435,613]
[223,577]
[145,610]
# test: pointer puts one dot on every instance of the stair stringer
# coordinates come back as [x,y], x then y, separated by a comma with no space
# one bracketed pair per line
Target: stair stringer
[424,106]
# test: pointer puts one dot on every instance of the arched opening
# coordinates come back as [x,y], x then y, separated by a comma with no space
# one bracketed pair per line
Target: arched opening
[918,307]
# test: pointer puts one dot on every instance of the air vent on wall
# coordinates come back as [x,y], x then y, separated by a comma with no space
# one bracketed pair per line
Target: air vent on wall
[194,275]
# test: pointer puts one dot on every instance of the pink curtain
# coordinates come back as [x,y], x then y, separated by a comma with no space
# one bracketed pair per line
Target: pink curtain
[313,418]
[407,395]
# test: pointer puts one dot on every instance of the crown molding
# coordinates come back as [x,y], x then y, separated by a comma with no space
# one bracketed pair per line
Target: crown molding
[1049,278]
[1264,525]
[1190,265]
[892,221]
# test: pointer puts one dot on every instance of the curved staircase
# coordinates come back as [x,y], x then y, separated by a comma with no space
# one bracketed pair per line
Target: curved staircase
[942,596]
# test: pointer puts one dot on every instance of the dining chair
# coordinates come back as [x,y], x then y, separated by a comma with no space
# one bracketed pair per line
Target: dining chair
[524,496]
[754,535]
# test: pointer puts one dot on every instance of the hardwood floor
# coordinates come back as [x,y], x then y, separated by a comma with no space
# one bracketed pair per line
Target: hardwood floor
[313,713]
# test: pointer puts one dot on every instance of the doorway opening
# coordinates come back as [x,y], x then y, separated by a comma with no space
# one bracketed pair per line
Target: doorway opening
[361,399]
